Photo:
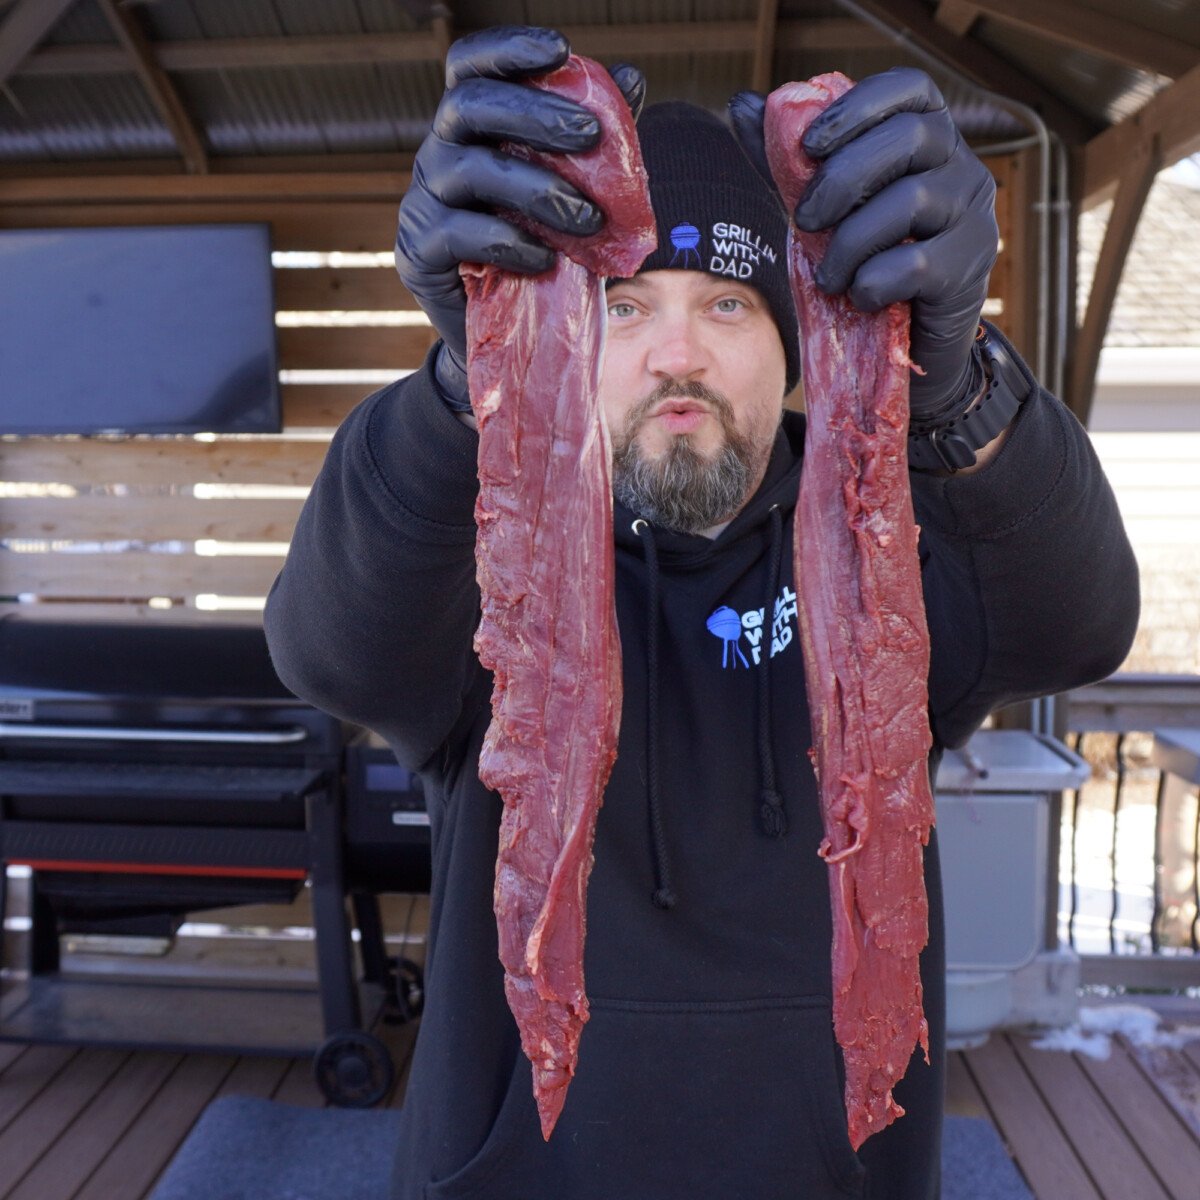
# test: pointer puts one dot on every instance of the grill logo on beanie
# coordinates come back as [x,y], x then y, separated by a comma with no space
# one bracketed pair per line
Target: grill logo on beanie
[737,250]
[685,238]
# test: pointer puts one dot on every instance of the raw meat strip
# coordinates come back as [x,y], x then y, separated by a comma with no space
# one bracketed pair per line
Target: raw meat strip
[866,645]
[544,560]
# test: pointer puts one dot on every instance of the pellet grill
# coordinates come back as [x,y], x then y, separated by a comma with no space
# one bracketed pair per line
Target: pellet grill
[149,772]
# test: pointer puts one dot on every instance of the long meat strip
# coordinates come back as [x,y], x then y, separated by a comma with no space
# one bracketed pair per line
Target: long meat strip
[544,559]
[866,645]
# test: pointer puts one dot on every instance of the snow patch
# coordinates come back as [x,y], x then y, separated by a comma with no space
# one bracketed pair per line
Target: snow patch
[1093,1033]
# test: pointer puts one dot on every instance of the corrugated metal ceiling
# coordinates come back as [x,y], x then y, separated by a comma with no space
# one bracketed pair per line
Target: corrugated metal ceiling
[274,110]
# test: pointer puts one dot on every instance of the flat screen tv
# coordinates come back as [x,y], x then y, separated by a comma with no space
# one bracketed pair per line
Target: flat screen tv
[149,329]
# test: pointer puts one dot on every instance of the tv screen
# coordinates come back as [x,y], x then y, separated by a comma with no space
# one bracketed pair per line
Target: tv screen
[165,329]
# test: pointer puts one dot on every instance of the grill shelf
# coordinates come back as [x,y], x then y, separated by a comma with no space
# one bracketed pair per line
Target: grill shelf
[185,781]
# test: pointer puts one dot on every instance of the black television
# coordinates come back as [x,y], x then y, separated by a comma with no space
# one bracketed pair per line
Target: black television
[138,329]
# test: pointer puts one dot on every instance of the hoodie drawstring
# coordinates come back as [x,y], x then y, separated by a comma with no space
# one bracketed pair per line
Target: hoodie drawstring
[663,896]
[771,811]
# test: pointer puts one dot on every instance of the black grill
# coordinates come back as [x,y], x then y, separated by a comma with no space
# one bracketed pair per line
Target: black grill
[151,771]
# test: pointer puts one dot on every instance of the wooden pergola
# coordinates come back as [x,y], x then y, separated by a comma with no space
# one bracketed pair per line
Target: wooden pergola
[1121,157]
[306,115]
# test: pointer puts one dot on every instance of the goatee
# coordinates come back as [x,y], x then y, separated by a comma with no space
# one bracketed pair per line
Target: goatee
[681,489]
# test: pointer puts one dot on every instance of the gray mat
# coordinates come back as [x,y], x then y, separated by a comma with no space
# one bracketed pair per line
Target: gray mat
[975,1165]
[248,1149]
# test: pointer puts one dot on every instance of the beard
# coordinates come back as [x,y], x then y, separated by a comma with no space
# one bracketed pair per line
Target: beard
[681,489]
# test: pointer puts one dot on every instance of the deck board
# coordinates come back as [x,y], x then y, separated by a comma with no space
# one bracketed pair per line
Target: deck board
[91,1137]
[1157,1128]
[39,1125]
[27,1075]
[93,1124]
[130,1168]
[1041,1148]
[1114,1159]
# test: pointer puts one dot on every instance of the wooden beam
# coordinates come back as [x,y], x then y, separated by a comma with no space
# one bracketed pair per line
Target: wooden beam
[442,28]
[156,461]
[764,45]
[914,22]
[828,33]
[137,574]
[26,24]
[219,54]
[353,347]
[1094,31]
[149,518]
[380,162]
[325,225]
[354,289]
[957,16]
[630,41]
[1084,355]
[1172,118]
[291,188]
[126,24]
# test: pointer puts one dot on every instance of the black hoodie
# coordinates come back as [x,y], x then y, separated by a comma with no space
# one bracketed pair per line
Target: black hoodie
[708,1069]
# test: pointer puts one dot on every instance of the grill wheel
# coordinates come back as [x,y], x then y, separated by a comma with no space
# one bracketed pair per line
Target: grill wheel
[353,1070]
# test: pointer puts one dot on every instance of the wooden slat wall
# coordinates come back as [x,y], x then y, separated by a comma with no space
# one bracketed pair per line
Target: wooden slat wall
[119,524]
[1014,277]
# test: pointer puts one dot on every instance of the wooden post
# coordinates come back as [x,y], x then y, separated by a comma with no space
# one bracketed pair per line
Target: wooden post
[764,45]
[1088,340]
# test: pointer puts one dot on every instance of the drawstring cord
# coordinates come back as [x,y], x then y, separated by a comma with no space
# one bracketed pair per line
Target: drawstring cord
[771,811]
[772,814]
[663,896]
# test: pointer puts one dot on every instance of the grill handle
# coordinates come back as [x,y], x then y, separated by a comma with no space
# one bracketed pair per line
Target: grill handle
[252,737]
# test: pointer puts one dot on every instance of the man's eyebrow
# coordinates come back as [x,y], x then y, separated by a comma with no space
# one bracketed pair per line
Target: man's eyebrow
[632,281]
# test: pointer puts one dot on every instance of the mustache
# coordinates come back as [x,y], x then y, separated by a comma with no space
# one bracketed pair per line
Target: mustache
[671,389]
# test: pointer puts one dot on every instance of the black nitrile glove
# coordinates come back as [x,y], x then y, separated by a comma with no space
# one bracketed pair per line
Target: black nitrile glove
[895,167]
[460,177]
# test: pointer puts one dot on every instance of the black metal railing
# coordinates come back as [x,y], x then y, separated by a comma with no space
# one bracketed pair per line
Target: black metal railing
[1129,867]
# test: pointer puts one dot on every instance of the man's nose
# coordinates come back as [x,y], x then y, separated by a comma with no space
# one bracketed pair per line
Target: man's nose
[677,350]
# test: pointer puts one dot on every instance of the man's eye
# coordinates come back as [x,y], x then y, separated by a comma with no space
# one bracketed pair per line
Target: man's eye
[729,304]
[621,308]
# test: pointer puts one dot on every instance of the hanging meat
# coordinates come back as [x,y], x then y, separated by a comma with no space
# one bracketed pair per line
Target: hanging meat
[866,645]
[544,561]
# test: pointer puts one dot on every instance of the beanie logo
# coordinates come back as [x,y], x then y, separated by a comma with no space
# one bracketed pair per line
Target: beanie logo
[685,238]
[736,250]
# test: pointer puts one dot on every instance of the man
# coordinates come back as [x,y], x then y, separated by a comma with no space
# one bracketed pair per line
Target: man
[709,1068]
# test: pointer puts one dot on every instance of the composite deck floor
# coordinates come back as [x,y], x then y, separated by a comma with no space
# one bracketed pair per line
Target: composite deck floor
[95,1124]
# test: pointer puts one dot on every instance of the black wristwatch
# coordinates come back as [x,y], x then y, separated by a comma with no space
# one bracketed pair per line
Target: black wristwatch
[950,445]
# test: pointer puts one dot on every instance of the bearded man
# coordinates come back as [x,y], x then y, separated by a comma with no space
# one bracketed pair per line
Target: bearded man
[708,1069]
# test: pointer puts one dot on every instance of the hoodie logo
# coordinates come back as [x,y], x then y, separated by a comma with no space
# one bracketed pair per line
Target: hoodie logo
[725,623]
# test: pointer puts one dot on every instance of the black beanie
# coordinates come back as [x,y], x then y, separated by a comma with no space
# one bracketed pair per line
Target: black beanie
[715,212]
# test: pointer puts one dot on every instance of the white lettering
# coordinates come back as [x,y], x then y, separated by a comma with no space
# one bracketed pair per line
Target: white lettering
[736,270]
[737,240]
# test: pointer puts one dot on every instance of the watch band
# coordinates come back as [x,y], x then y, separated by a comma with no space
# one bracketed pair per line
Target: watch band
[950,445]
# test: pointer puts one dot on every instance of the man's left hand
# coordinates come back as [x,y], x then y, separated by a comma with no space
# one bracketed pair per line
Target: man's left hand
[912,214]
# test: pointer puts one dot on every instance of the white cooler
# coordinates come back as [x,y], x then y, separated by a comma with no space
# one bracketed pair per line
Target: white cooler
[993,813]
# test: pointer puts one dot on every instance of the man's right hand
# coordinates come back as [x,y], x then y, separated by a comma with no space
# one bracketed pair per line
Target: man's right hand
[461,176]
